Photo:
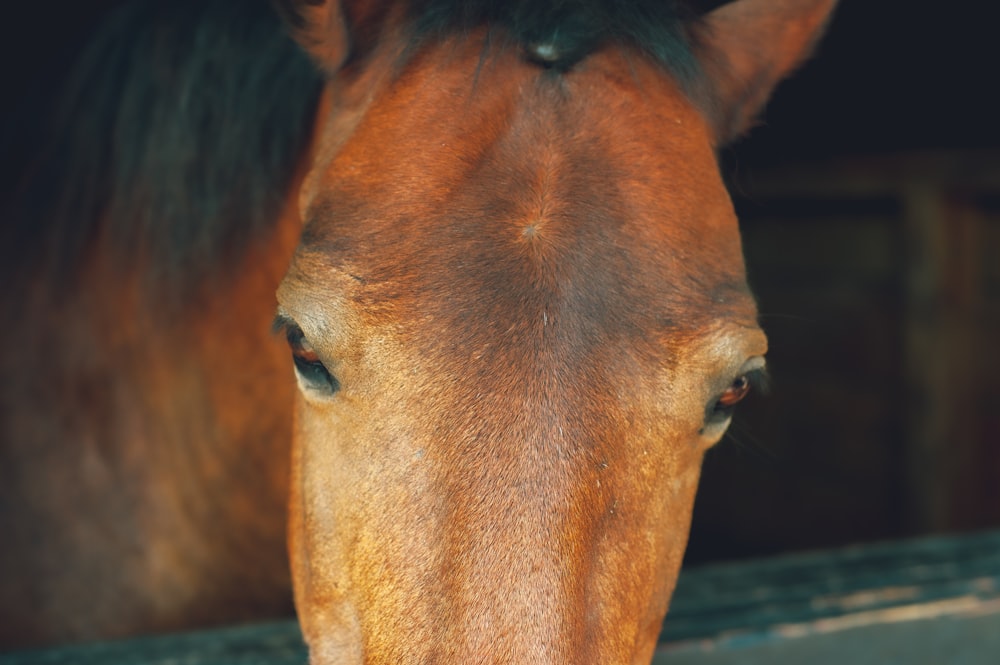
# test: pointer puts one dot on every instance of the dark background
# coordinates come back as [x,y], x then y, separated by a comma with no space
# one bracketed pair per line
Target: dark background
[869,200]
[872,237]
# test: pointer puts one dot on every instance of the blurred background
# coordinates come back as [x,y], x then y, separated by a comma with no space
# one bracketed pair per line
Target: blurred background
[869,200]
[870,204]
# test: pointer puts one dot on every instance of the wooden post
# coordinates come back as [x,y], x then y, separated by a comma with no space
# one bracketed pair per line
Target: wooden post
[941,292]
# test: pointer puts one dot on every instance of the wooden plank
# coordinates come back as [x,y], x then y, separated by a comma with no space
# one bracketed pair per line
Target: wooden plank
[969,639]
[753,597]
[277,643]
[943,287]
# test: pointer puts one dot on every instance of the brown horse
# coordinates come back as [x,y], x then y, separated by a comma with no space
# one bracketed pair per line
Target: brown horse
[517,314]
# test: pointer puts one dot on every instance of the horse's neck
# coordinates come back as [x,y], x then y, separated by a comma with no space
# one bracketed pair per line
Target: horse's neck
[143,452]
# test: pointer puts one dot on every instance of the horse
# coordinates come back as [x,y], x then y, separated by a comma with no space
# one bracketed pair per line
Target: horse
[511,316]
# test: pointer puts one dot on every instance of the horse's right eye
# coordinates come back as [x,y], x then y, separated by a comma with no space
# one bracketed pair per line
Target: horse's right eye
[311,371]
[315,375]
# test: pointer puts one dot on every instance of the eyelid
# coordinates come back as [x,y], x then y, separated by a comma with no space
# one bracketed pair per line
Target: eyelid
[314,377]
[292,332]
[759,378]
[755,364]
[284,323]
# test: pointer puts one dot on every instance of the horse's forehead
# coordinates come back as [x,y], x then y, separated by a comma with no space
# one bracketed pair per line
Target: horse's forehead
[595,190]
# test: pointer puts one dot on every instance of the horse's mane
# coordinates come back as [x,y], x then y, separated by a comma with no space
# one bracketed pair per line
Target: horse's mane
[569,29]
[176,136]
[574,28]
[181,123]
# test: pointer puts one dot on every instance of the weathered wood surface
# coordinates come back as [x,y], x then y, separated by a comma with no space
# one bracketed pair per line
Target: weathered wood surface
[278,643]
[946,640]
[726,611]
[826,591]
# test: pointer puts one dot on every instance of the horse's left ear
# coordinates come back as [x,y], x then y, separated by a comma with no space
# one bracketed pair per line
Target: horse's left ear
[319,28]
[745,48]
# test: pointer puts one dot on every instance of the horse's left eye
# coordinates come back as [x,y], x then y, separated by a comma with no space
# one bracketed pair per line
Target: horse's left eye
[734,393]
[311,370]
[721,408]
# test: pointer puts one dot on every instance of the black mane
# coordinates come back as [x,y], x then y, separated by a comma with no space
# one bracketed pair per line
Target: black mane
[177,133]
[571,29]
[182,121]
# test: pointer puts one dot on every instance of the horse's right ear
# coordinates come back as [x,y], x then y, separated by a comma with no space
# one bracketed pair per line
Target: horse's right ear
[745,48]
[319,28]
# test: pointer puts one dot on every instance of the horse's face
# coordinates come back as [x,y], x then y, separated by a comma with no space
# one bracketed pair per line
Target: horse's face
[519,317]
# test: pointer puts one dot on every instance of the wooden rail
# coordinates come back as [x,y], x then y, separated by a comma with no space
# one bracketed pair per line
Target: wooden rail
[717,609]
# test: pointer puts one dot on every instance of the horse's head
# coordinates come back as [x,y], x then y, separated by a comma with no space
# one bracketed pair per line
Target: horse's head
[519,317]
